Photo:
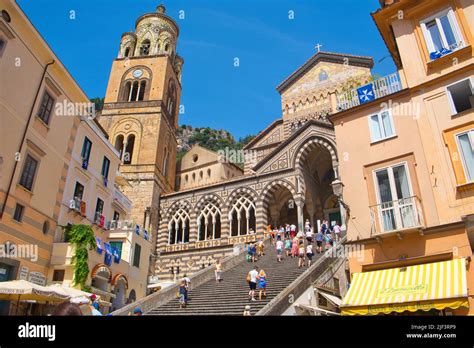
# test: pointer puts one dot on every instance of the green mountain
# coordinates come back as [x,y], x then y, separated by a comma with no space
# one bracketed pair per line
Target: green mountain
[209,138]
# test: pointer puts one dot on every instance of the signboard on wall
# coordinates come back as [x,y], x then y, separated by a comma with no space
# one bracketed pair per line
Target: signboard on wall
[37,278]
[23,275]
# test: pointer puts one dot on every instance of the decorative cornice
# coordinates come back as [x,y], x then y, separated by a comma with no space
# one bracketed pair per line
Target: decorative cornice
[263,133]
[322,124]
[162,16]
[362,61]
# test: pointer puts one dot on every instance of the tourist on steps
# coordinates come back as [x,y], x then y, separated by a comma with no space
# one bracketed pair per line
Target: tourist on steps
[301,251]
[309,235]
[337,231]
[218,271]
[319,241]
[309,253]
[253,252]
[288,246]
[252,280]
[294,247]
[281,232]
[279,248]
[248,257]
[260,248]
[187,281]
[183,294]
[292,231]
[262,284]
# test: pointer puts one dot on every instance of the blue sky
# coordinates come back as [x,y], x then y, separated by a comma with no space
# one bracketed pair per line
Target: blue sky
[269,45]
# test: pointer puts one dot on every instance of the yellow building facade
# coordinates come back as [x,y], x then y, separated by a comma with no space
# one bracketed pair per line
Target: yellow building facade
[58,168]
[409,169]
[36,144]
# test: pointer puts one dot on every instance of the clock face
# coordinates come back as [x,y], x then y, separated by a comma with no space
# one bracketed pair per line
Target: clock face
[137,73]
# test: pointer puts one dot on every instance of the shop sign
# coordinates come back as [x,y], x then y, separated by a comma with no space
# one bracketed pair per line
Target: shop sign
[24,273]
[37,278]
[403,290]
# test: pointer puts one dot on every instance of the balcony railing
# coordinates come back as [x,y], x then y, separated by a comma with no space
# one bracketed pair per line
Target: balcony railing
[395,216]
[376,89]
[123,200]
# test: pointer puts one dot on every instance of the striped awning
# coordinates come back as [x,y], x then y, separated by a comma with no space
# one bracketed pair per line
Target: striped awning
[428,286]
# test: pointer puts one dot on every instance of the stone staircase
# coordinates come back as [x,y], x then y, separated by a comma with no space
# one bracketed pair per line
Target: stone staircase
[231,295]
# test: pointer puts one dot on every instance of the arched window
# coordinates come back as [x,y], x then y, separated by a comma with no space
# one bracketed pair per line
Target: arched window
[119,144]
[242,215]
[134,93]
[167,46]
[145,48]
[127,159]
[194,176]
[178,227]
[186,178]
[141,93]
[127,52]
[209,173]
[126,91]
[209,222]
[200,174]
[165,163]
[170,104]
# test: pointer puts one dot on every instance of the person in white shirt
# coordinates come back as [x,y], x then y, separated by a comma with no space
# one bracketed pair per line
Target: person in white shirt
[287,231]
[279,249]
[309,253]
[187,282]
[292,230]
[337,231]
[252,280]
[309,236]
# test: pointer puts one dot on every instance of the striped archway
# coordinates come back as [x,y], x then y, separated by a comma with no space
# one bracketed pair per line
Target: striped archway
[265,198]
[272,187]
[313,143]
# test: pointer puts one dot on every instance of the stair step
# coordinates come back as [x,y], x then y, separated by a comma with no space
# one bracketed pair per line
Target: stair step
[230,296]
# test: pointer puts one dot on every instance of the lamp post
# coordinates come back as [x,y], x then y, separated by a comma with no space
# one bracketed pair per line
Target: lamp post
[337,189]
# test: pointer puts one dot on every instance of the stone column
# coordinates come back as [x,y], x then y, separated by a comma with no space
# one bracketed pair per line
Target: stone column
[260,215]
[299,206]
[193,231]
[225,223]
[162,237]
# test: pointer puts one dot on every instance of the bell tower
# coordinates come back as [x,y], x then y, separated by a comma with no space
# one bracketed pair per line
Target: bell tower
[140,112]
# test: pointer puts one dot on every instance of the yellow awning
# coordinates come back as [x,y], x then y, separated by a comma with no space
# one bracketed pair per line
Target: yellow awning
[428,286]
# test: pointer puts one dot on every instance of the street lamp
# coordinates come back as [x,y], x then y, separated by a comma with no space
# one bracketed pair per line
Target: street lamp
[337,188]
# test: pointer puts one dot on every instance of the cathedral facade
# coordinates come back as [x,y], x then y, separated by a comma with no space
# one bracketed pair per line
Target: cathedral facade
[200,209]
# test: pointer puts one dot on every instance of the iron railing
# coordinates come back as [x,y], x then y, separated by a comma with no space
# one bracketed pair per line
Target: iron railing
[381,87]
[398,215]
